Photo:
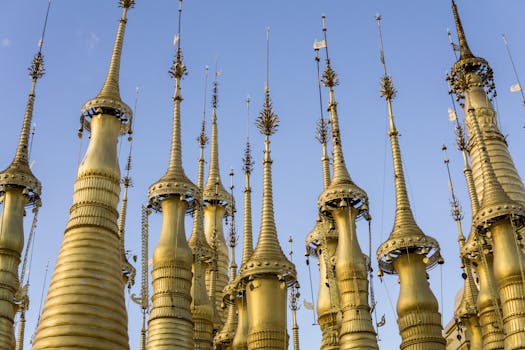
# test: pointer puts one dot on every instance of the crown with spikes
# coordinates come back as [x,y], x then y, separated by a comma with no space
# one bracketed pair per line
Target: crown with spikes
[468,65]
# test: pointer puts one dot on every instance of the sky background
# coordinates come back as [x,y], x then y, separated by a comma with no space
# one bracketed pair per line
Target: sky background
[77,48]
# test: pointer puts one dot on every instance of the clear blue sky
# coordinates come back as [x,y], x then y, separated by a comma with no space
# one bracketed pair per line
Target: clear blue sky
[77,48]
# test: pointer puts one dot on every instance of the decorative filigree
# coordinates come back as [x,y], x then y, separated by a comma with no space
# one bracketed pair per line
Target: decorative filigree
[461,142]
[387,88]
[329,76]
[37,69]
[247,160]
[460,82]
[178,69]
[322,132]
[215,96]
[268,121]
[203,139]
[126,3]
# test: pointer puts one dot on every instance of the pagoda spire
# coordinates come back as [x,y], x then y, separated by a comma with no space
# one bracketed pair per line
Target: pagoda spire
[224,339]
[18,188]
[77,310]
[499,218]
[466,313]
[268,271]
[322,240]
[408,251]
[128,271]
[108,100]
[170,323]
[344,201]
[202,307]
[472,82]
[464,49]
[216,202]
[240,340]
[247,167]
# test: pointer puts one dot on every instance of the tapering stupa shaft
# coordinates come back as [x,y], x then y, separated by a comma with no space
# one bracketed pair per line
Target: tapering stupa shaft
[344,201]
[472,80]
[478,310]
[202,307]
[216,201]
[267,272]
[240,340]
[19,188]
[170,323]
[77,310]
[409,252]
[224,339]
[324,239]
[499,187]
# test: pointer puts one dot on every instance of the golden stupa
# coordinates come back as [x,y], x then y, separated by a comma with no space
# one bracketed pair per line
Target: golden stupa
[199,298]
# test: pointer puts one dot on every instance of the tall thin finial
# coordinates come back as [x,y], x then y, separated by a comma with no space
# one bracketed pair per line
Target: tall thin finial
[175,181]
[267,57]
[268,121]
[19,173]
[247,167]
[203,138]
[453,45]
[268,247]
[455,206]
[322,130]
[464,49]
[294,305]
[404,222]
[108,100]
[248,101]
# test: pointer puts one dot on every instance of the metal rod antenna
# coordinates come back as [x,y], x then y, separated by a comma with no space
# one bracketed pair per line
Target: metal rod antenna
[323,21]
[513,67]
[180,20]
[206,71]
[267,56]
[382,53]
[317,59]
[248,100]
[41,41]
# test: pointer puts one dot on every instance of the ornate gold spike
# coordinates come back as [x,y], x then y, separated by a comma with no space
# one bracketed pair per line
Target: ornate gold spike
[267,272]
[322,131]
[108,100]
[468,65]
[408,251]
[268,121]
[127,3]
[330,78]
[387,88]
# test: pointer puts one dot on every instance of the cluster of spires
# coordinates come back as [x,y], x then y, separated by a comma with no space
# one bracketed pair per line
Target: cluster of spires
[193,278]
